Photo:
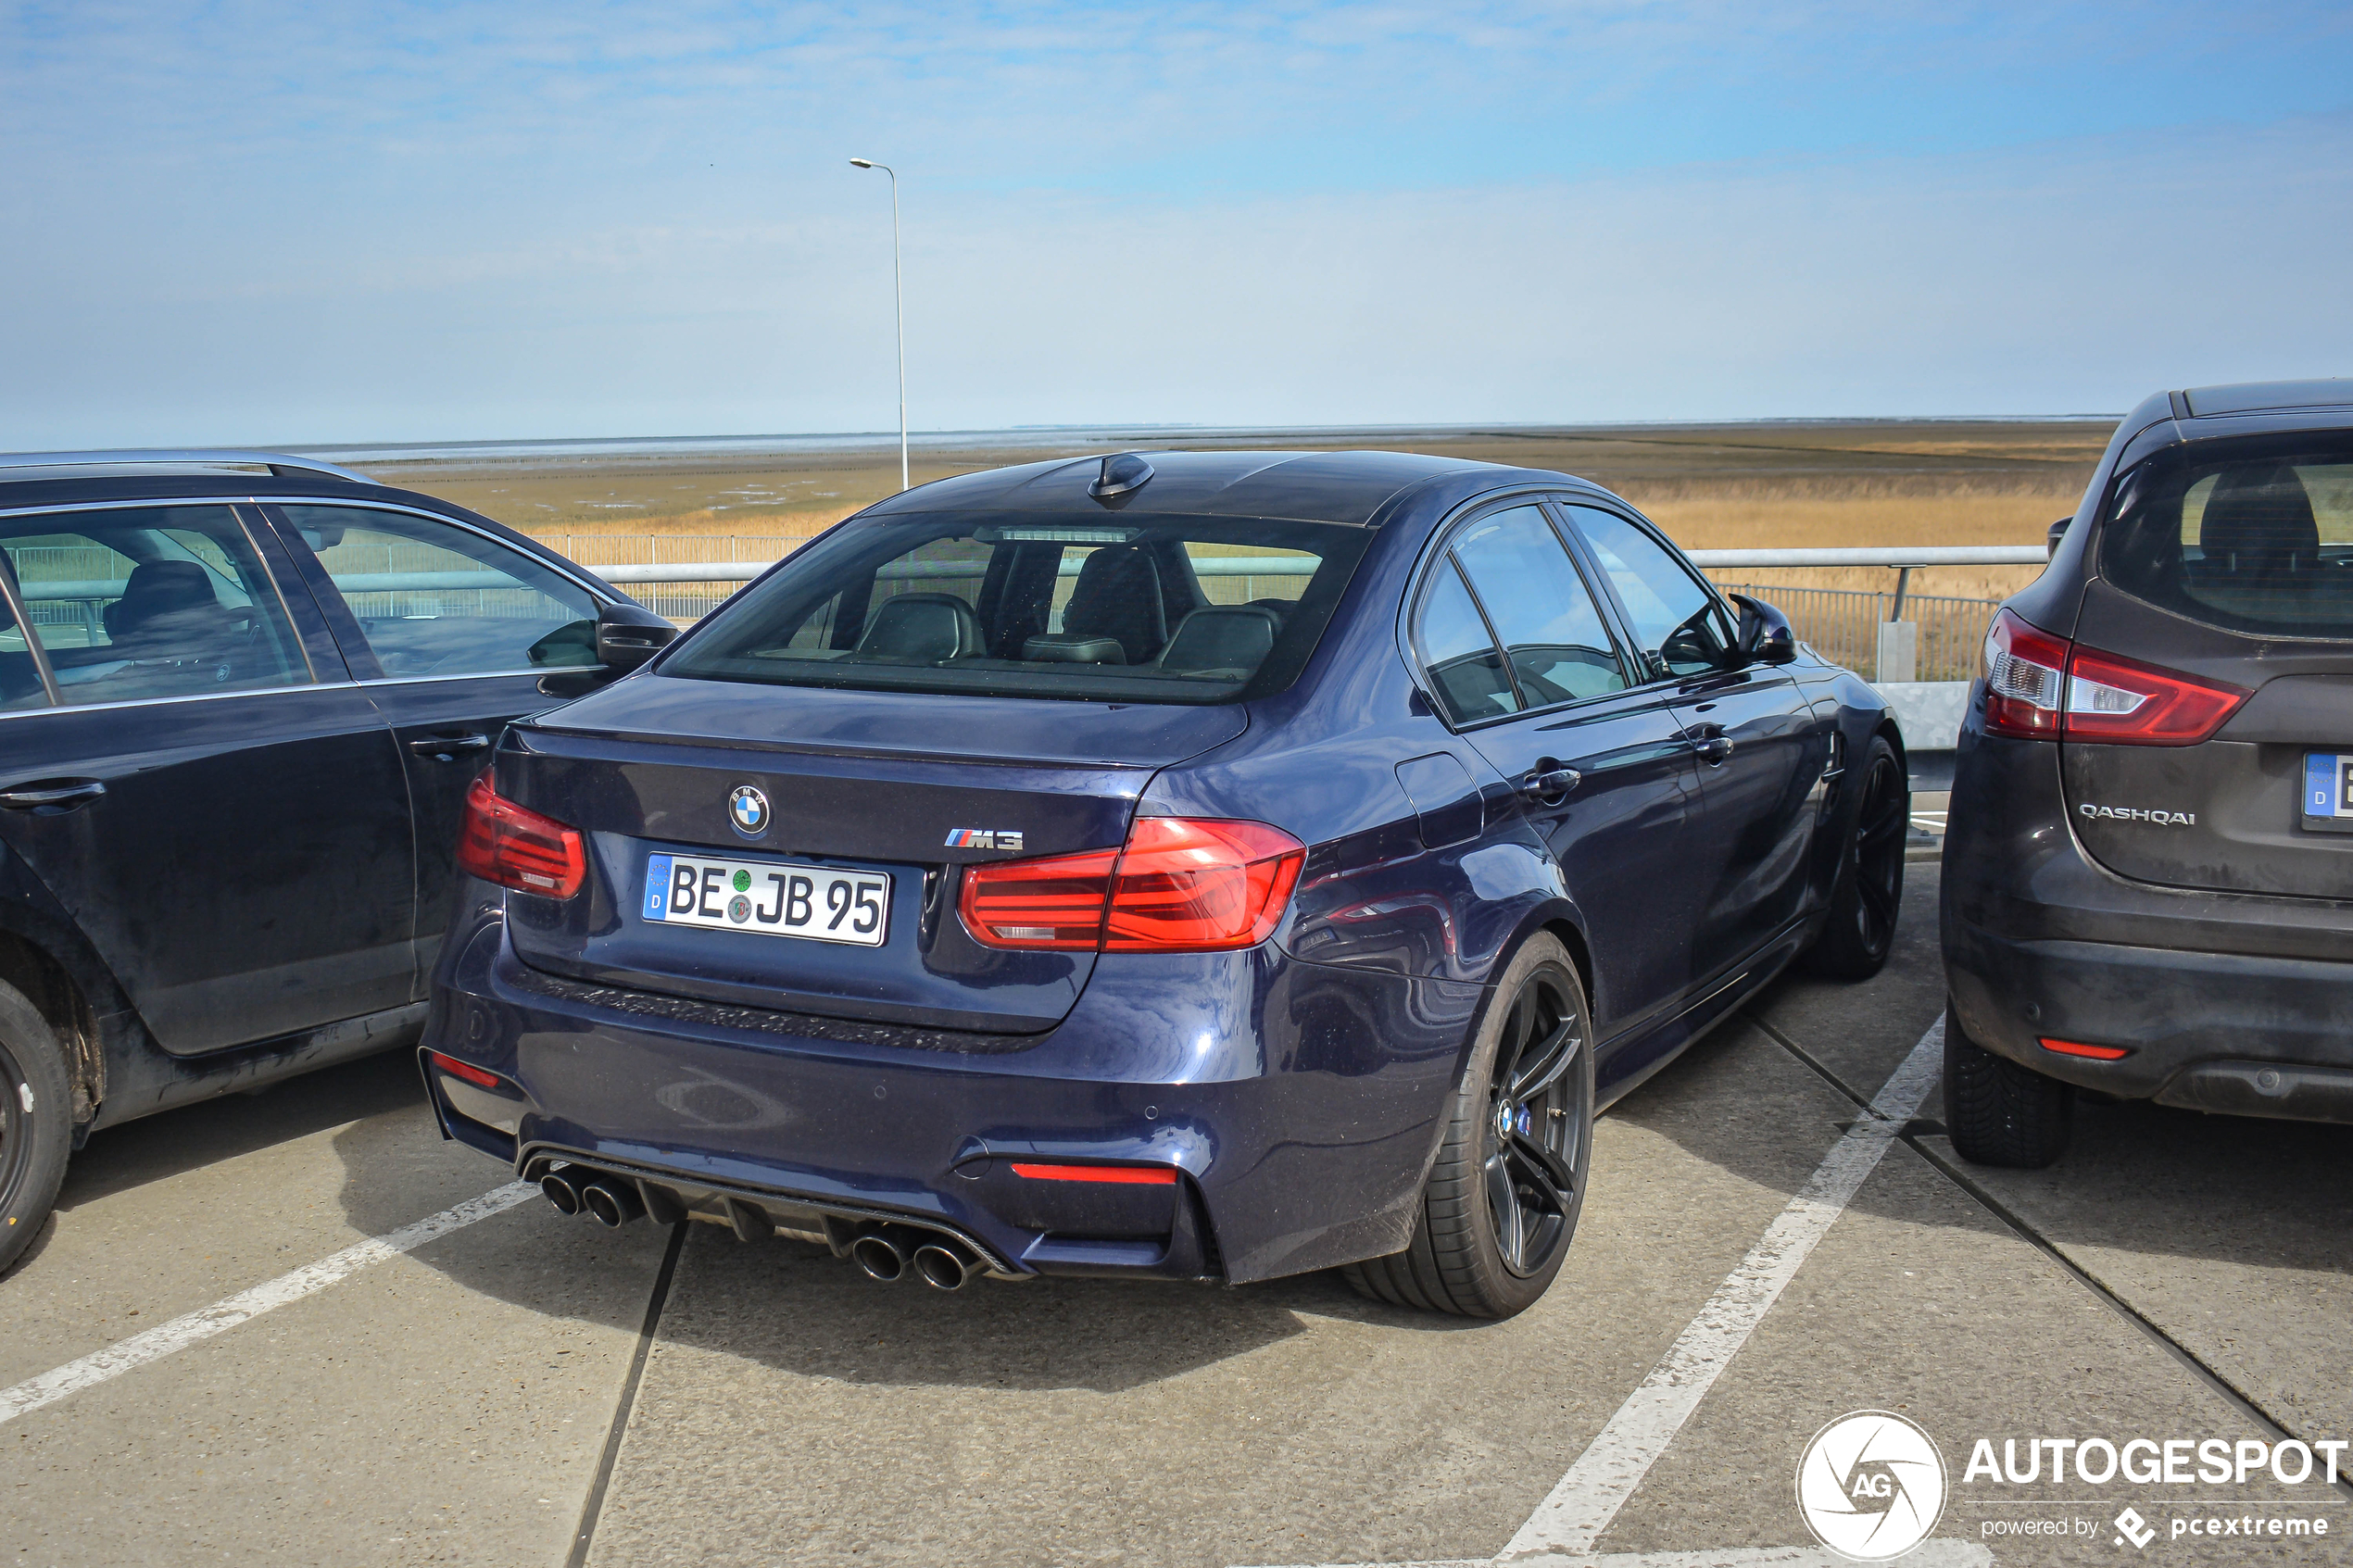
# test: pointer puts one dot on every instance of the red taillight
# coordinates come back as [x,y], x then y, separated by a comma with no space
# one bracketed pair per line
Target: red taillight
[1187,884]
[2096,1053]
[517,847]
[2125,702]
[2042,687]
[1134,1176]
[1053,902]
[2025,680]
[481,1077]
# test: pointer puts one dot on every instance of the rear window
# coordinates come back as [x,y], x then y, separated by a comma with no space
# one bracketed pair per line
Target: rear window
[1163,609]
[2253,536]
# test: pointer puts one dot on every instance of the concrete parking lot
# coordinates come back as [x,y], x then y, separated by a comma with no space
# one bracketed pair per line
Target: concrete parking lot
[524,1388]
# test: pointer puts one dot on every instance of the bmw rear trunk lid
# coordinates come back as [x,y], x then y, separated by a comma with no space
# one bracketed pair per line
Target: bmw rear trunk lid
[884,795]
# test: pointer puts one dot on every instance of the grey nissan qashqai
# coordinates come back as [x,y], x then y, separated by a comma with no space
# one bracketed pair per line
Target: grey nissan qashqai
[2148,878]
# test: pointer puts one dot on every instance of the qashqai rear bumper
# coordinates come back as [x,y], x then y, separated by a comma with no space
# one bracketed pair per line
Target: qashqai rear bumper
[2222,1001]
[1298,1105]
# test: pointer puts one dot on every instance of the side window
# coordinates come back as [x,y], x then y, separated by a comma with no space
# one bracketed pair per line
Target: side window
[1680,627]
[19,675]
[1554,637]
[437,599]
[149,602]
[1459,651]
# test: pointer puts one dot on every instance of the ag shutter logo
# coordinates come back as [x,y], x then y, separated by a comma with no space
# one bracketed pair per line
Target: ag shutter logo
[1872,1485]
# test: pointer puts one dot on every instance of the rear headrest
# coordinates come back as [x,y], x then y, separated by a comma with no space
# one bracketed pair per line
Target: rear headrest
[2260,516]
[158,588]
[922,629]
[1118,596]
[1236,637]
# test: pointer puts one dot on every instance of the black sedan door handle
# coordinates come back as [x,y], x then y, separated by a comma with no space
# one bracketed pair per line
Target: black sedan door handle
[1715,751]
[54,797]
[1549,786]
[446,748]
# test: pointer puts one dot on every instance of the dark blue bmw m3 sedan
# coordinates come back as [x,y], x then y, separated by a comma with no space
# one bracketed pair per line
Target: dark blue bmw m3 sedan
[1176,865]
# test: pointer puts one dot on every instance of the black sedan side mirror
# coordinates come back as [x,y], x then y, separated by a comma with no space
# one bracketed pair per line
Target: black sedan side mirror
[2051,540]
[592,652]
[629,634]
[1765,636]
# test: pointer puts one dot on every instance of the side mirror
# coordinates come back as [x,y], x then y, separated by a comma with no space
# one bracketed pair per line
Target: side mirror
[2051,540]
[629,634]
[1765,636]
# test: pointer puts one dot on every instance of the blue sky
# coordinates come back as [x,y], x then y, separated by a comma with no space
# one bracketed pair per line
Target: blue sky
[242,222]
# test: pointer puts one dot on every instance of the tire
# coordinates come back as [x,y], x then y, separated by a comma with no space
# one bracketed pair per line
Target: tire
[36,1122]
[1868,894]
[1501,1206]
[1998,1113]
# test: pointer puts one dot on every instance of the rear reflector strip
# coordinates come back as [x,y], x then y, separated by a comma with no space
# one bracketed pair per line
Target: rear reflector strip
[2097,1053]
[481,1077]
[1138,1175]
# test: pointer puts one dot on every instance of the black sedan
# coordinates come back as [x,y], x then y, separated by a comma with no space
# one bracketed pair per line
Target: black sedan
[1180,865]
[241,700]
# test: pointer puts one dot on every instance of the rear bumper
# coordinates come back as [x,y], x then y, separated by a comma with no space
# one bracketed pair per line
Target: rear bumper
[2225,1002]
[2206,1031]
[1300,1104]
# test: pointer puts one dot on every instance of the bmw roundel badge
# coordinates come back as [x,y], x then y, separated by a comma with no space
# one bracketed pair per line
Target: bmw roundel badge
[748,808]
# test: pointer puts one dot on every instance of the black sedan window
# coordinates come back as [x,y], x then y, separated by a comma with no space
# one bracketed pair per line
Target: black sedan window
[1158,610]
[151,602]
[1558,648]
[437,599]
[1680,628]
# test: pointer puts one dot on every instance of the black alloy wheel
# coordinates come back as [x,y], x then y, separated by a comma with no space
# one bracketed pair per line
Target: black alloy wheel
[36,1122]
[1540,1114]
[1860,930]
[1501,1204]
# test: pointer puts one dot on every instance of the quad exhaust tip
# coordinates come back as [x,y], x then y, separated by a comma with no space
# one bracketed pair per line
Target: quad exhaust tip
[944,1266]
[880,1254]
[886,1253]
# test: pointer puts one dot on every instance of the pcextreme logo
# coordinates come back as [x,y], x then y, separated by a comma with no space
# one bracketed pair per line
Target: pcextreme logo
[1872,1485]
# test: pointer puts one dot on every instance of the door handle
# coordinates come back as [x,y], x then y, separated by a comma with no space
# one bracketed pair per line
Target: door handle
[1549,786]
[446,748]
[54,797]
[1716,750]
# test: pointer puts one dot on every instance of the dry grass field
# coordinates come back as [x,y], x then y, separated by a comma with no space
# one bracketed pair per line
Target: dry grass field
[1784,483]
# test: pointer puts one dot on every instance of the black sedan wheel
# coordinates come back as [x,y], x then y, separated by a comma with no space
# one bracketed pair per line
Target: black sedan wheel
[1861,932]
[36,1124]
[1503,1198]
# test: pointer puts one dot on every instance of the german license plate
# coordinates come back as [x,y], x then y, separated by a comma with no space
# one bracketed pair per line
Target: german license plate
[768,899]
[2328,792]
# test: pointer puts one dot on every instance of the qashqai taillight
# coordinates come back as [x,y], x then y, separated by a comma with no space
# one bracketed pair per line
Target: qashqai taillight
[515,846]
[2043,687]
[1180,884]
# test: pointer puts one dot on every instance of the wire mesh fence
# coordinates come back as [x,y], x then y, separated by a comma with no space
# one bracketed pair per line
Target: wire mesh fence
[1843,624]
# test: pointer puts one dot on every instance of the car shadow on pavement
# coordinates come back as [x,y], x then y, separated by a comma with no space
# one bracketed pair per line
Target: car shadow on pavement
[797,1309]
[2137,1176]
[175,1142]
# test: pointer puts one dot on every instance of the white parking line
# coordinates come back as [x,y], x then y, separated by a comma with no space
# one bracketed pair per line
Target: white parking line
[1567,1523]
[124,1355]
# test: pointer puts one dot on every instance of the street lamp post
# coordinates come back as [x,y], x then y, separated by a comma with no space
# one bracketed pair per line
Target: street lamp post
[898,306]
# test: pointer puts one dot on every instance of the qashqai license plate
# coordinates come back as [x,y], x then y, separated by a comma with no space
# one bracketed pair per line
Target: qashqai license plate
[2328,792]
[769,898]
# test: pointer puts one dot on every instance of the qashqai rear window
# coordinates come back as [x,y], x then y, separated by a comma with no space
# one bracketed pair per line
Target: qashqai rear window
[2252,535]
[1163,609]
